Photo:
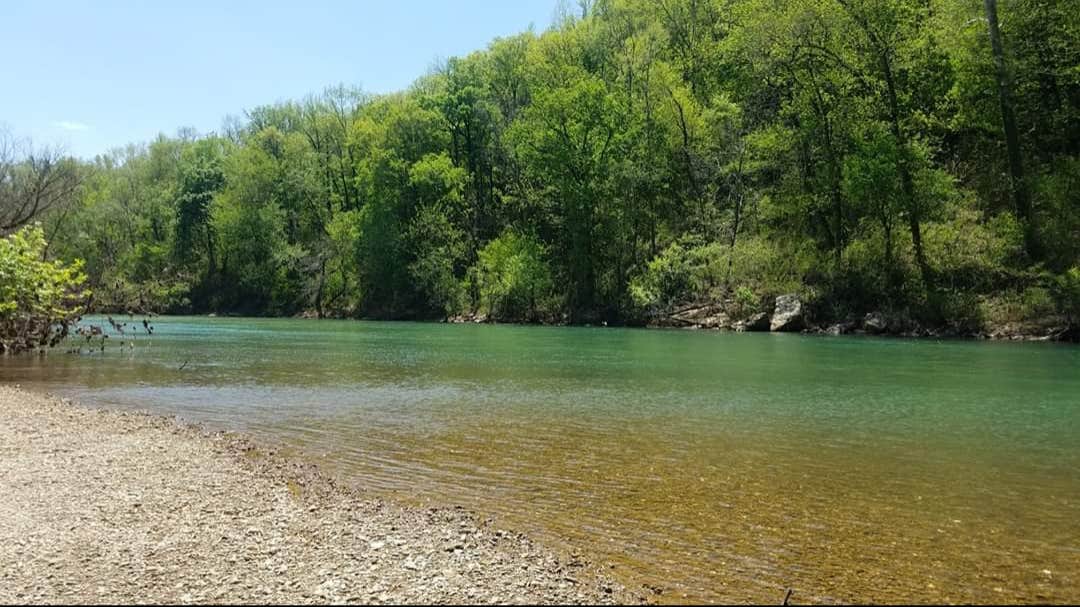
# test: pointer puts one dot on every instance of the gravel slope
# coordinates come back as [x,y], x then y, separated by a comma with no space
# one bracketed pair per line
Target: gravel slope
[103,507]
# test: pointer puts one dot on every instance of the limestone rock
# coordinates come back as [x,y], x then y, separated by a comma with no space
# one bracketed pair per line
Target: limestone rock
[875,323]
[757,322]
[788,315]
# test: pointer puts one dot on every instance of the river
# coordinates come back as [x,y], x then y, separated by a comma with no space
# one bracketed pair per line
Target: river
[703,466]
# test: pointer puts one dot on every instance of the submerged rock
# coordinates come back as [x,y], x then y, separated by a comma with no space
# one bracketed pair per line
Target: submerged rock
[788,315]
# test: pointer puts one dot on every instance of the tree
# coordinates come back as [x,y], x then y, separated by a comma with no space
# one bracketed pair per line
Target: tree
[33,181]
[512,277]
[435,243]
[39,300]
[1017,185]
[637,156]
[201,177]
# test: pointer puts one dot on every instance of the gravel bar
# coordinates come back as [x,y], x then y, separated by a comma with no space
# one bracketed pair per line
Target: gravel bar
[102,506]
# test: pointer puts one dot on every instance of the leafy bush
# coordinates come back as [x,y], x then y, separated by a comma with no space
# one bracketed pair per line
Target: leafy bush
[668,279]
[1031,304]
[745,303]
[1058,220]
[1067,293]
[972,254]
[512,278]
[757,269]
[958,310]
[39,300]
[437,246]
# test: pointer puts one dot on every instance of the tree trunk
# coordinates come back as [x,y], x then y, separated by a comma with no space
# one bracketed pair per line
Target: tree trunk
[212,267]
[1018,187]
[738,208]
[320,290]
[907,184]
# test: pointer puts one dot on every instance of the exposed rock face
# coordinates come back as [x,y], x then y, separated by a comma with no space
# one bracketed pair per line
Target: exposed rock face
[788,315]
[718,321]
[875,322]
[840,328]
[757,322]
[708,316]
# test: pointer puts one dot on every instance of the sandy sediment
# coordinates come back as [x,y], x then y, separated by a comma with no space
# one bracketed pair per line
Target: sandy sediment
[102,507]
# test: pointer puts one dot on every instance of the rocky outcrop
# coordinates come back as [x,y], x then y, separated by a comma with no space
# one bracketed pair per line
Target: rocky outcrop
[841,328]
[875,323]
[473,317]
[757,322]
[788,315]
[707,316]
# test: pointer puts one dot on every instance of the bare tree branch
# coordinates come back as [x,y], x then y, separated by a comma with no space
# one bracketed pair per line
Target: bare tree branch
[32,181]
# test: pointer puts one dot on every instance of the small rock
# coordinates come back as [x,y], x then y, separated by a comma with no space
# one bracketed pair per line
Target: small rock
[875,322]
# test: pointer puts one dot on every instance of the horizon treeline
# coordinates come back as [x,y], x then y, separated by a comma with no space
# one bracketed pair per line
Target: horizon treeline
[920,157]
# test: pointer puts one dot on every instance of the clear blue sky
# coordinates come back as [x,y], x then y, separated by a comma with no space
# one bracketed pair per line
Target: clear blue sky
[96,74]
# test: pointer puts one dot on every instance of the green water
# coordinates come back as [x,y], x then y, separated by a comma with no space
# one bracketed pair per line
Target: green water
[707,466]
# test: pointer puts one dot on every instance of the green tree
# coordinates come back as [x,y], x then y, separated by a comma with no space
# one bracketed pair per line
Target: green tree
[39,299]
[513,278]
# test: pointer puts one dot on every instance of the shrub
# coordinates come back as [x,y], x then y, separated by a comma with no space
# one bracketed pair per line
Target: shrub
[744,303]
[958,310]
[512,278]
[667,279]
[757,269]
[436,246]
[39,300]
[1067,293]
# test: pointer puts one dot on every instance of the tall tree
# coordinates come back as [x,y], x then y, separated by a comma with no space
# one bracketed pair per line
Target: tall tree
[1017,184]
[32,181]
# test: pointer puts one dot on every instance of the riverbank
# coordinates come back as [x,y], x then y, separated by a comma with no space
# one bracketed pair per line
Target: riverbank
[105,507]
[876,324]
[790,315]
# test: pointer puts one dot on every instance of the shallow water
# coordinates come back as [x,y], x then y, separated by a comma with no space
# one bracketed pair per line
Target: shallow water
[709,466]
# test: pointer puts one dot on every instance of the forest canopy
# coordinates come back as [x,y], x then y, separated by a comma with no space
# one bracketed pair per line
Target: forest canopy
[920,157]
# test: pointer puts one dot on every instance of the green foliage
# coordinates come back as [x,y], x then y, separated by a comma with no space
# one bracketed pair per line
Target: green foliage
[656,155]
[958,311]
[437,250]
[971,253]
[39,299]
[512,279]
[667,279]
[200,178]
[754,270]
[1058,214]
[1067,293]
[744,303]
[1032,304]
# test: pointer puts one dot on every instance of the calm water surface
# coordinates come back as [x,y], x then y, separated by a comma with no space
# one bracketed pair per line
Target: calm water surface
[709,466]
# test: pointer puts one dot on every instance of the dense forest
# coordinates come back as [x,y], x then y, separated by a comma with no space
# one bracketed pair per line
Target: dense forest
[919,158]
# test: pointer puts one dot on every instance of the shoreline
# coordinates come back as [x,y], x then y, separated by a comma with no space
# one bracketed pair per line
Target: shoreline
[113,506]
[1010,332]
